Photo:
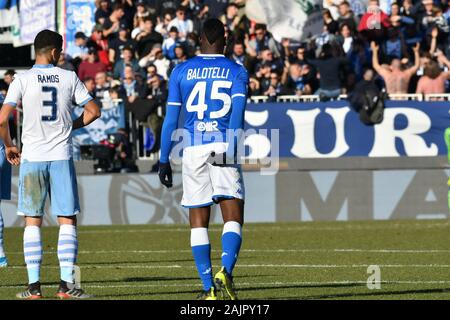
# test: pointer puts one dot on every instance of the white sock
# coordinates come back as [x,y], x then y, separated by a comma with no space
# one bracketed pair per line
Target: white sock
[67,251]
[32,249]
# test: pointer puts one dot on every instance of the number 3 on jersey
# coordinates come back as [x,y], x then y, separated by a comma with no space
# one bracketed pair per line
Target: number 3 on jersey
[50,103]
[199,91]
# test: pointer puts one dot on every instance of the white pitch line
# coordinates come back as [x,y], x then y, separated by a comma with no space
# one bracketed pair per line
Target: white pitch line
[249,284]
[343,250]
[294,266]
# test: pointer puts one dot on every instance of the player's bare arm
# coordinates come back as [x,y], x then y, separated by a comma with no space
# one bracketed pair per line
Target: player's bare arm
[12,152]
[90,114]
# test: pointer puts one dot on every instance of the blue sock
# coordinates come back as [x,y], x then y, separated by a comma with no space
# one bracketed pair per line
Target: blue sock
[231,244]
[2,252]
[32,249]
[201,250]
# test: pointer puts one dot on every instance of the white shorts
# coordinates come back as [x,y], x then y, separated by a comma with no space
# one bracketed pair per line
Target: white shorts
[203,183]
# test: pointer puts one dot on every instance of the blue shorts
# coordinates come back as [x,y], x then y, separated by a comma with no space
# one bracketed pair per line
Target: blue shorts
[56,178]
[5,176]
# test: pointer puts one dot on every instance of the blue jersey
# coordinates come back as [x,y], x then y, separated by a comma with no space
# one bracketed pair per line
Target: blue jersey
[204,87]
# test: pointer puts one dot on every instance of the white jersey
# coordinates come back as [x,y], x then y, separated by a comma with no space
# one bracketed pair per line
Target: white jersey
[48,94]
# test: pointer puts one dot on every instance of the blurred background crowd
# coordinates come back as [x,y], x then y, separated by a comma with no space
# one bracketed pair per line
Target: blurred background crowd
[400,46]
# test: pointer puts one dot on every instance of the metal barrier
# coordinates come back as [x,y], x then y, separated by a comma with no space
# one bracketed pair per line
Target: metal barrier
[406,96]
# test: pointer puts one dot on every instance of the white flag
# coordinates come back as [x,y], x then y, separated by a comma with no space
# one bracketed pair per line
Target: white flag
[293,19]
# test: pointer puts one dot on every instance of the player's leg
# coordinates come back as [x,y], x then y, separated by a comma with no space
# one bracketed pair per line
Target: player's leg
[5,194]
[229,191]
[65,205]
[201,249]
[33,186]
[197,193]
[233,218]
[3,261]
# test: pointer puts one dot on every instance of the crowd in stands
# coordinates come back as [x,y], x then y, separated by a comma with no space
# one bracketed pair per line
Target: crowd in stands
[135,44]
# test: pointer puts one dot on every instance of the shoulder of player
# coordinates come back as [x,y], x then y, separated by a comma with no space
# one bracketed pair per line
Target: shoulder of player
[237,68]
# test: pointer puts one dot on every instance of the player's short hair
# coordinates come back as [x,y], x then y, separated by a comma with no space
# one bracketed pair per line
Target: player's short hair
[213,30]
[47,40]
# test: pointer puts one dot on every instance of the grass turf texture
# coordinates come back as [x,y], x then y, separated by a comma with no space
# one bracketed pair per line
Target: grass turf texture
[314,260]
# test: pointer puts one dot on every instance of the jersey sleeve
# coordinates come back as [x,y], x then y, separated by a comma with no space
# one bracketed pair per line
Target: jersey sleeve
[240,84]
[81,95]
[174,98]
[14,94]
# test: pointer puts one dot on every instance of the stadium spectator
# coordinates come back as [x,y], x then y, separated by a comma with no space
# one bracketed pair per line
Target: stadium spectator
[126,60]
[132,87]
[91,66]
[157,90]
[183,25]
[101,45]
[263,39]
[147,38]
[63,63]
[266,57]
[79,49]
[331,25]
[117,45]
[180,57]
[433,80]
[90,85]
[141,12]
[254,87]
[215,8]
[374,22]
[300,80]
[240,56]
[102,86]
[156,58]
[231,17]
[347,17]
[163,25]
[103,12]
[330,69]
[8,77]
[170,43]
[111,25]
[395,76]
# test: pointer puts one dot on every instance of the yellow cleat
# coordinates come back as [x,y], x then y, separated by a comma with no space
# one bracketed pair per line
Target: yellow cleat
[211,294]
[224,283]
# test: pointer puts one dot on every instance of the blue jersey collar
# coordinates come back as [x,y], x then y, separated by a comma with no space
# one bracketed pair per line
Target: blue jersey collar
[43,66]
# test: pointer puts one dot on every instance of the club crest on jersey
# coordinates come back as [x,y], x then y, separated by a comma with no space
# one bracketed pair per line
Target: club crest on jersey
[207,126]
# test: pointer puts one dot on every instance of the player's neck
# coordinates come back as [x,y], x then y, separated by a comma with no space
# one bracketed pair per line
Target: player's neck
[40,60]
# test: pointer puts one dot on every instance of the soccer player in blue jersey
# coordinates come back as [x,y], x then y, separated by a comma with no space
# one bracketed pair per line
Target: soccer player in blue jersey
[212,91]
[5,192]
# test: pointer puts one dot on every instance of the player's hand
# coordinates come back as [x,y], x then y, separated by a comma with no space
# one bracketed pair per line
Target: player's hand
[165,174]
[12,155]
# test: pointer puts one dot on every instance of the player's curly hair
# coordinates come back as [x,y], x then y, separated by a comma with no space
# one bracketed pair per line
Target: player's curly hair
[214,30]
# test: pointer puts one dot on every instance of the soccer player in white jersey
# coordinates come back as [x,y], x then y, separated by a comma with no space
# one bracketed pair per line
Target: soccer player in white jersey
[47,94]
[211,90]
[5,193]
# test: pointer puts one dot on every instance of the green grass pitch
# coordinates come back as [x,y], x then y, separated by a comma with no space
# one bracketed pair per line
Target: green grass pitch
[313,260]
